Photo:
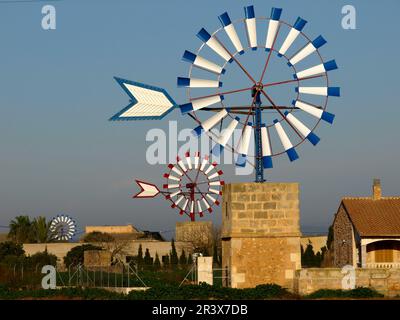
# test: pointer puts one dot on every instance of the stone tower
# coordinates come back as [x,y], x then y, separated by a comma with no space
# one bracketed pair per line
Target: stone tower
[261,233]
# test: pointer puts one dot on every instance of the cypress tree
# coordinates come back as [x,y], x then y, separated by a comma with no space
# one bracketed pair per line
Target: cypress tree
[182,258]
[157,263]
[190,260]
[148,260]
[165,261]
[139,259]
[173,255]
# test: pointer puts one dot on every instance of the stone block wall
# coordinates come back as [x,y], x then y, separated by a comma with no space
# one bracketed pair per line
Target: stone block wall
[96,258]
[261,233]
[385,281]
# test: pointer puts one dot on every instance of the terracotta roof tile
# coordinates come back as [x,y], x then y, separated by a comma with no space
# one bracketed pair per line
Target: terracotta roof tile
[374,217]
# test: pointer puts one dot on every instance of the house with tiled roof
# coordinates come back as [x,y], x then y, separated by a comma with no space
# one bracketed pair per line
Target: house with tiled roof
[366,231]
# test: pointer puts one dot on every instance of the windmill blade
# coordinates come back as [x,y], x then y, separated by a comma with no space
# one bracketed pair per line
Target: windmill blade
[316,70]
[206,204]
[184,207]
[188,160]
[307,50]
[212,199]
[292,36]
[210,122]
[217,183]
[202,63]
[197,83]
[273,28]
[302,128]
[147,102]
[171,186]
[216,174]
[199,208]
[266,147]
[192,208]
[251,27]
[225,136]
[181,164]
[214,45]
[287,145]
[172,195]
[320,91]
[203,163]
[231,32]
[177,202]
[174,169]
[215,191]
[212,166]
[196,160]
[314,111]
[198,104]
[170,176]
[244,144]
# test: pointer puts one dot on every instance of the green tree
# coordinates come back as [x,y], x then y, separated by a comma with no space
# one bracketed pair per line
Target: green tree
[308,258]
[215,255]
[329,240]
[182,258]
[139,259]
[97,236]
[165,261]
[76,254]
[40,229]
[21,230]
[41,259]
[173,255]
[157,263]
[190,260]
[10,248]
[148,260]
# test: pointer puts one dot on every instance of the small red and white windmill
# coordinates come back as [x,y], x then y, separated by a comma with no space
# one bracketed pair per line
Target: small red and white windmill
[193,185]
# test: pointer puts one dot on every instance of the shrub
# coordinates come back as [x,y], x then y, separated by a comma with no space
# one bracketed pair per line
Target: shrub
[41,259]
[360,292]
[10,248]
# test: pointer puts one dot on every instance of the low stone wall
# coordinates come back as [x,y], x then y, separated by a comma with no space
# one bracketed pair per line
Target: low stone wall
[385,281]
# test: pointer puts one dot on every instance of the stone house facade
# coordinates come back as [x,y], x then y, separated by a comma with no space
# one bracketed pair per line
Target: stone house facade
[366,231]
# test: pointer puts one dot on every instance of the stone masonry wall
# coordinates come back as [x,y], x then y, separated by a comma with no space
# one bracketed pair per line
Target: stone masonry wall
[385,281]
[343,239]
[261,233]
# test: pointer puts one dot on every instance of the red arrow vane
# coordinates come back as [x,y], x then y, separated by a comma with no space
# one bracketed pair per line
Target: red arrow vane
[147,190]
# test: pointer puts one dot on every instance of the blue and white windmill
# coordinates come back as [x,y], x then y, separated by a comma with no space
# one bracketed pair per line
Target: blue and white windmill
[273,127]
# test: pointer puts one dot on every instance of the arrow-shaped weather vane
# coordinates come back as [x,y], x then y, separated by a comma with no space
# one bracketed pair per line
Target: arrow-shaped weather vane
[147,102]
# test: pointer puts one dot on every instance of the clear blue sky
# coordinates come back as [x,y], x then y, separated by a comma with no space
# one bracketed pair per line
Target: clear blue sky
[59,154]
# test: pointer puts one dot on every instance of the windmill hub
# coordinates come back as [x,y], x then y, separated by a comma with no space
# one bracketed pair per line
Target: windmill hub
[191,185]
[259,86]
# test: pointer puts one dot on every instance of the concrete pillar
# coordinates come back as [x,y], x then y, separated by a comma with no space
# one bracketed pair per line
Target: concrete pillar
[364,256]
[205,270]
